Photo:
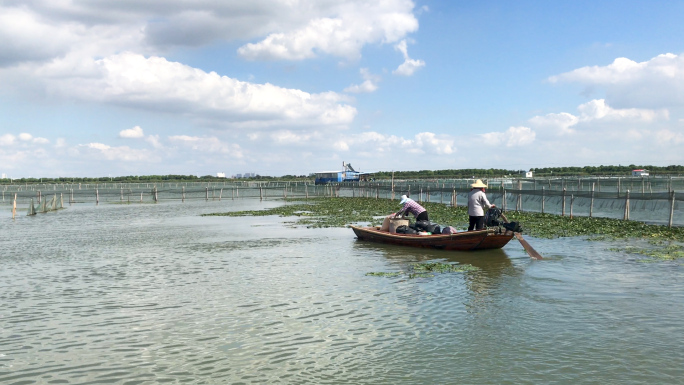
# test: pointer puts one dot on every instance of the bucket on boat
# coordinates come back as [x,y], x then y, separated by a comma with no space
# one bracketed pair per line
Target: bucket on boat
[396,222]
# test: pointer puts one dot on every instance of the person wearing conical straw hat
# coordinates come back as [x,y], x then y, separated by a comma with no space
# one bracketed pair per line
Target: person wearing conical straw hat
[477,202]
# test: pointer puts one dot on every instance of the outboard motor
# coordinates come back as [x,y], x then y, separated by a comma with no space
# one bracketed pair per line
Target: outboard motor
[493,219]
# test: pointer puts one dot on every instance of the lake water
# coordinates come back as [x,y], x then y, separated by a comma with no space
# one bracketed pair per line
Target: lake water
[154,293]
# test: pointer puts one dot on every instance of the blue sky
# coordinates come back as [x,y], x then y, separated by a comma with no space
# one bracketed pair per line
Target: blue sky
[280,87]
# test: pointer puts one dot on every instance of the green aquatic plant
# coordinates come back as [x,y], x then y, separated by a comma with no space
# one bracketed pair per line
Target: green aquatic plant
[439,267]
[386,274]
[655,253]
[426,270]
[341,212]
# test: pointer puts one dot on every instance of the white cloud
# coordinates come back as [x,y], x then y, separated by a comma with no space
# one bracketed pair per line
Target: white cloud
[24,137]
[154,141]
[154,83]
[513,137]
[655,83]
[132,133]
[207,145]
[122,153]
[7,139]
[668,137]
[595,115]
[370,83]
[598,109]
[560,123]
[339,30]
[409,66]
[41,140]
[380,144]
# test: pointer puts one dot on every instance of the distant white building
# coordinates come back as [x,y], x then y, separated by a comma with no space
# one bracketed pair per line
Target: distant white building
[220,174]
[4,176]
[529,174]
[640,172]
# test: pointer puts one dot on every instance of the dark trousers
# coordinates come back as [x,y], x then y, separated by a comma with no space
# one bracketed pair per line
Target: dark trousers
[423,216]
[476,221]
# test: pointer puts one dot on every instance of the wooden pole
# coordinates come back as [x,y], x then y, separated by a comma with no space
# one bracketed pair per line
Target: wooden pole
[97,197]
[572,201]
[14,206]
[220,194]
[520,205]
[393,185]
[543,200]
[618,188]
[261,194]
[39,196]
[672,204]
[626,216]
[72,197]
[306,190]
[206,193]
[563,204]
[591,203]
[183,194]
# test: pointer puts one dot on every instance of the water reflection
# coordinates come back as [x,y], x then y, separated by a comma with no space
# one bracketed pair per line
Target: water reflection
[492,265]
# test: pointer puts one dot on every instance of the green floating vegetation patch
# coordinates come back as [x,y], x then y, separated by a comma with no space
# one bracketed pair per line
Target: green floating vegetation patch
[425,270]
[385,274]
[661,251]
[341,212]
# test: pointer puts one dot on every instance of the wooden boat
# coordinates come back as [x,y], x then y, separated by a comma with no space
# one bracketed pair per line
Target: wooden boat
[461,241]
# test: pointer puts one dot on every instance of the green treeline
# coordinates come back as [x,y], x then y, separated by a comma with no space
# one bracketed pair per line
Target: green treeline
[538,172]
[150,179]
[423,174]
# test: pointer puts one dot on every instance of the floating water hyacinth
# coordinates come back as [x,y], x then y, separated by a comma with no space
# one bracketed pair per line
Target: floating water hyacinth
[341,212]
[426,270]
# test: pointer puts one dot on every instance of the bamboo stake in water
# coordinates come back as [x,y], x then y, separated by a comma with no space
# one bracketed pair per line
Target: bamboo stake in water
[97,197]
[572,201]
[626,216]
[591,203]
[183,194]
[543,200]
[14,207]
[563,204]
[672,204]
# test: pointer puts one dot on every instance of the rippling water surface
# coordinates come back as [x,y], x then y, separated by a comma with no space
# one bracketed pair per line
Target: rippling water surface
[146,294]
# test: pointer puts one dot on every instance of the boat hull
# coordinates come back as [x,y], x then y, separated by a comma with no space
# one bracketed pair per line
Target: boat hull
[461,241]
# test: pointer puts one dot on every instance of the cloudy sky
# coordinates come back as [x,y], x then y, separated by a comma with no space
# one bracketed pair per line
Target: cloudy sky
[274,87]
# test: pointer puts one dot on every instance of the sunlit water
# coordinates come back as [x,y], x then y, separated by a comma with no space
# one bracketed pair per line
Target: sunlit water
[144,294]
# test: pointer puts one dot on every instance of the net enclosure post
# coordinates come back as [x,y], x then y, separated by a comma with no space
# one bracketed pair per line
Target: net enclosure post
[626,216]
[672,204]
[591,203]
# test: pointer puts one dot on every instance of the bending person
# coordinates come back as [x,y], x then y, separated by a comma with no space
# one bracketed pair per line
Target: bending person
[411,206]
[477,203]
